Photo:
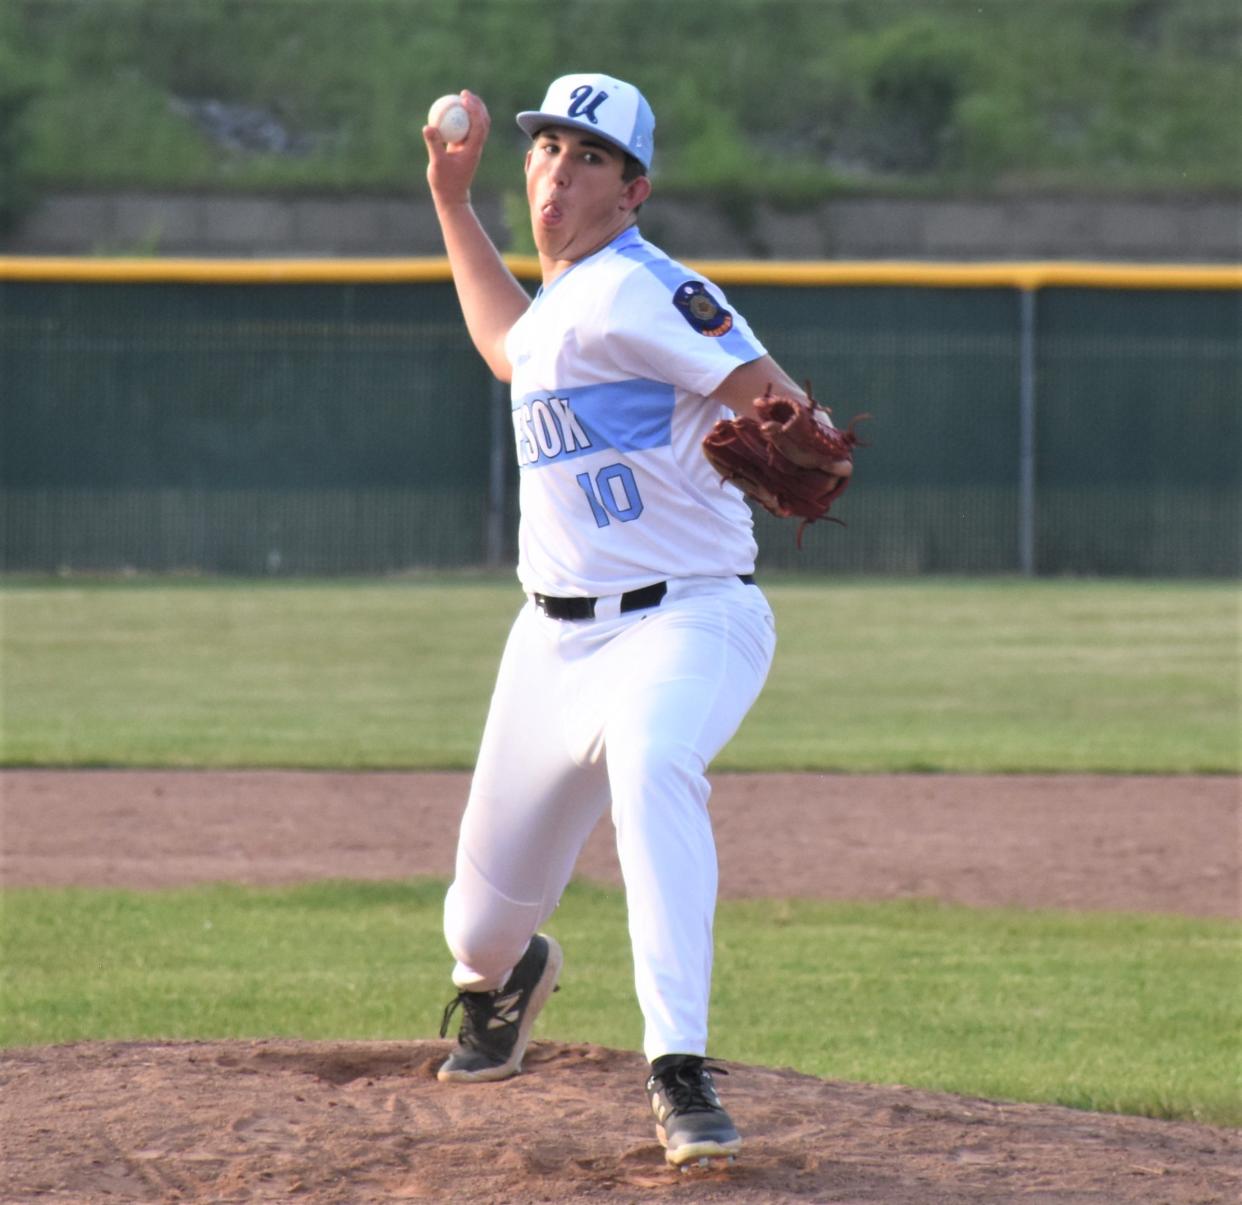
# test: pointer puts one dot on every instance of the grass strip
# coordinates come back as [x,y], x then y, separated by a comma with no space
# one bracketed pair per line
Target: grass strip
[870,675]
[1116,1012]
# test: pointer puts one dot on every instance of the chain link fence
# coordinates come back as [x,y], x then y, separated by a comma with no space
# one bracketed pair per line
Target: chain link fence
[342,423]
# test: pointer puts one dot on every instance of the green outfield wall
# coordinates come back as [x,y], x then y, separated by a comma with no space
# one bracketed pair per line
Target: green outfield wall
[322,417]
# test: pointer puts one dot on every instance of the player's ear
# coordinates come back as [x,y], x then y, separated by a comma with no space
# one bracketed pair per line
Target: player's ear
[636,192]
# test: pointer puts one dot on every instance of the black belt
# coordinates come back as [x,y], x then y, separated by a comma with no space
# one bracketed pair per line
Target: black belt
[631,600]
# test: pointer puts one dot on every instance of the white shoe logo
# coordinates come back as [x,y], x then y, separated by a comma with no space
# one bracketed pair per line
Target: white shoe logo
[506,1011]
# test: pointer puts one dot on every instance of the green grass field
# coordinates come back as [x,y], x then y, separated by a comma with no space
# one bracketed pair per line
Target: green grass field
[1116,1012]
[904,675]
[1112,1012]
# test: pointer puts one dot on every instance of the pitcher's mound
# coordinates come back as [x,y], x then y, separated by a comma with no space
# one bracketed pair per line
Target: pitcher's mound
[362,1122]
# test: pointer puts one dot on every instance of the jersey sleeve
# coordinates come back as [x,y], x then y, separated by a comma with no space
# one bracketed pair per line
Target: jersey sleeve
[669,325]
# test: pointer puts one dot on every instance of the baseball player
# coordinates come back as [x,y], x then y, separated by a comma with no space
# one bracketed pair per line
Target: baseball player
[644,639]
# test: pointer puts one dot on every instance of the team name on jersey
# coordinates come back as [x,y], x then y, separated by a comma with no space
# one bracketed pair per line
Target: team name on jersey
[545,429]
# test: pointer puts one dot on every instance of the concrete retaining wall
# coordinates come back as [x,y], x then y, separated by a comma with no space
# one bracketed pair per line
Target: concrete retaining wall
[1189,230]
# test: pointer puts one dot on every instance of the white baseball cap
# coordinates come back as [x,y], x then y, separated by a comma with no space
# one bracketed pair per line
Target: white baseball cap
[611,108]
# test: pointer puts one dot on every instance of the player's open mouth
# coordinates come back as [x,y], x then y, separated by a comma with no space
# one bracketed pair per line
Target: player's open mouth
[550,214]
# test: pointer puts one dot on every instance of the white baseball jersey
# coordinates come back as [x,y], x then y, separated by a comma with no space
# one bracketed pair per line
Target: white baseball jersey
[614,365]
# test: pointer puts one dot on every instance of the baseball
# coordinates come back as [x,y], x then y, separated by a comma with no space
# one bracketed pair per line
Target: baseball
[449,116]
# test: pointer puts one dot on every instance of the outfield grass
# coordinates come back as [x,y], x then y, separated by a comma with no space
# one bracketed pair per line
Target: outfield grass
[999,676]
[1110,1012]
[913,674]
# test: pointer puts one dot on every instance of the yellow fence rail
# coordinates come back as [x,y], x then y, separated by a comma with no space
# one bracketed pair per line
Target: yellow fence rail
[809,274]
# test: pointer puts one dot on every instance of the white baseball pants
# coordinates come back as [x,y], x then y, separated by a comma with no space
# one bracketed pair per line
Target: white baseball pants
[624,708]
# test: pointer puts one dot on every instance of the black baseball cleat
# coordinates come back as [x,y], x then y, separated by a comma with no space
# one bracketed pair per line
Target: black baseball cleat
[691,1124]
[495,1026]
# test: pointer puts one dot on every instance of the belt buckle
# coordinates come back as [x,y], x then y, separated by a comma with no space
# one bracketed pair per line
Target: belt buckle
[644,597]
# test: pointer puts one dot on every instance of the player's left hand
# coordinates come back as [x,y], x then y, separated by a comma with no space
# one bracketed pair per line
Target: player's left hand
[786,455]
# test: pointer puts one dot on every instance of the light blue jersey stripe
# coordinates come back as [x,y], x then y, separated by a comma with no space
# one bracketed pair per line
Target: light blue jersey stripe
[626,416]
[672,276]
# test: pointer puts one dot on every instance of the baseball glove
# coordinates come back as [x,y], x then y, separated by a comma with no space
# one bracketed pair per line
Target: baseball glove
[783,458]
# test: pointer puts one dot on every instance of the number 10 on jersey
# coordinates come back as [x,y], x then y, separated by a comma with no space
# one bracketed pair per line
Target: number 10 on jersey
[612,494]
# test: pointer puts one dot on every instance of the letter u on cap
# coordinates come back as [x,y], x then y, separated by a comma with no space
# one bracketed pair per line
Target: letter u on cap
[611,108]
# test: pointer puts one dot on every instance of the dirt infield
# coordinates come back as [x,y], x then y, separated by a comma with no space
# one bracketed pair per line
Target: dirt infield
[1075,841]
[366,1122]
